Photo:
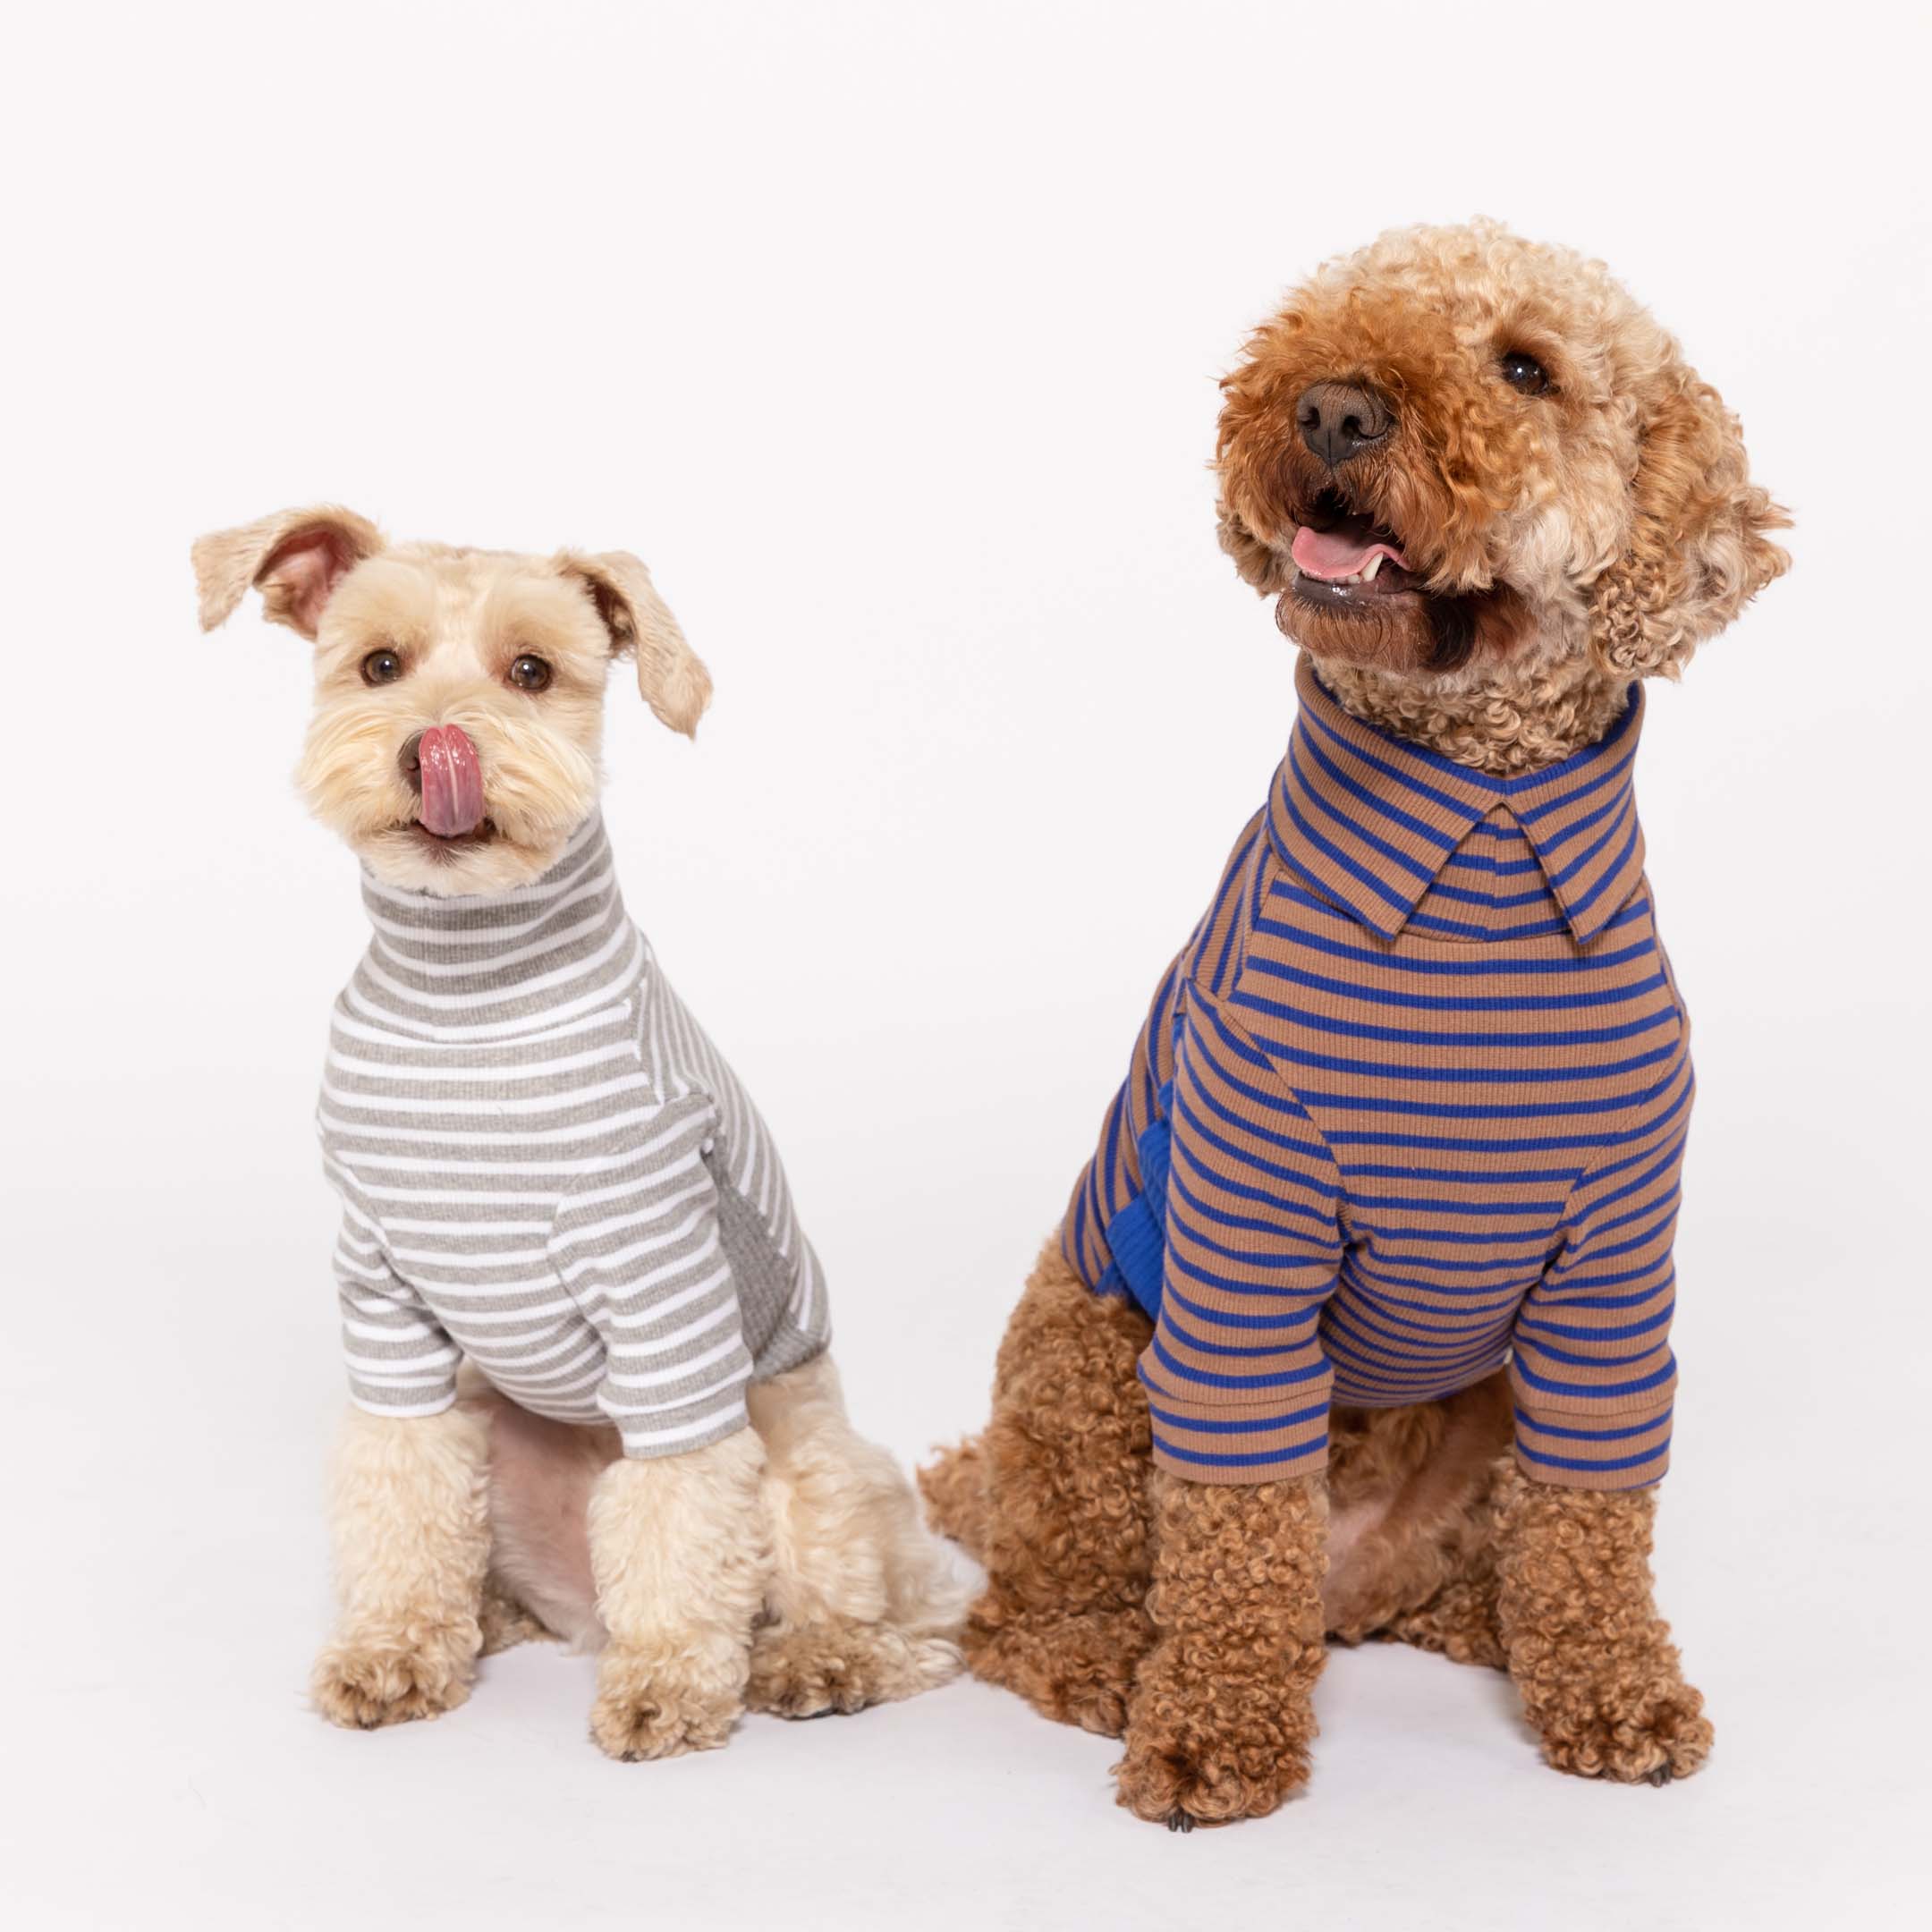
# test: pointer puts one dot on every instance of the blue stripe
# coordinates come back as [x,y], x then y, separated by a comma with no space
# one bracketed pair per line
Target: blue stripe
[1595,1391]
[1524,1420]
[1292,1420]
[1585,1462]
[1158,1349]
[1301,1318]
[1503,1076]
[1252,1459]
[1505,1002]
[1424,1037]
[1444,842]
[1480,966]
[1628,1331]
[1488,789]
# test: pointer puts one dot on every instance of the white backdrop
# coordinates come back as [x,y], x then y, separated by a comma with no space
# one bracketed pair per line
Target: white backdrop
[888,335]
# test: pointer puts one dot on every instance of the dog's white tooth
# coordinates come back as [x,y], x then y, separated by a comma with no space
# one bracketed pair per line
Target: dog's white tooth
[1374,563]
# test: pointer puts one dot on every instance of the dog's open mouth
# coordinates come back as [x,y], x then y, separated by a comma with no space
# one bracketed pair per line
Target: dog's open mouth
[1345,560]
[449,844]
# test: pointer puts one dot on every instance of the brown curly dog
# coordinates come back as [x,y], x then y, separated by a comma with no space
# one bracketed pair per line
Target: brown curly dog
[1489,496]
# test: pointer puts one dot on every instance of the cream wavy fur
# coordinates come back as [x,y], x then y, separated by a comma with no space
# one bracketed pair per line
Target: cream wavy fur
[784,1569]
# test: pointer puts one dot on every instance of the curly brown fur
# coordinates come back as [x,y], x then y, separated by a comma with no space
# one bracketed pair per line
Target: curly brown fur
[1573,539]
[1222,1718]
[955,1486]
[1063,1620]
[1550,544]
[1411,1498]
[1599,1676]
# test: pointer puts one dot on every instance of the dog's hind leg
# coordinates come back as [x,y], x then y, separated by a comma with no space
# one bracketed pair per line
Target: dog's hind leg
[861,1607]
[1411,1535]
[1063,1620]
[410,1519]
[1460,1621]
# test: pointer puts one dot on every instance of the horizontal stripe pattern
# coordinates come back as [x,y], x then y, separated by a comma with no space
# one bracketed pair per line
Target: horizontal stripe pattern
[546,1166]
[1418,1089]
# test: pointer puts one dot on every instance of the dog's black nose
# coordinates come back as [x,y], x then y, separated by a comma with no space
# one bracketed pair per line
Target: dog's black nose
[409,762]
[1339,421]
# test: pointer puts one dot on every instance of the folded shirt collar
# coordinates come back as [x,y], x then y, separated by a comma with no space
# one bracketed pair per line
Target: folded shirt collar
[1372,819]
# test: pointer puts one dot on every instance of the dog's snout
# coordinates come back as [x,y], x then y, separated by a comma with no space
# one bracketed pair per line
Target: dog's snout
[1339,421]
[409,762]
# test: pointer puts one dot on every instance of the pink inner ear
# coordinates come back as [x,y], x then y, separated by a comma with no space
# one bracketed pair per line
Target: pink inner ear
[308,567]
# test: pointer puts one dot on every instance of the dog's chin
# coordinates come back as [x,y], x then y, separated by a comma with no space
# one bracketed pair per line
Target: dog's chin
[488,860]
[1385,630]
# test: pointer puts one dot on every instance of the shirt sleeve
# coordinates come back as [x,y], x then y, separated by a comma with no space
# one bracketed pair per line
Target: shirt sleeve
[1237,1383]
[1591,1369]
[1113,1177]
[400,1360]
[641,1251]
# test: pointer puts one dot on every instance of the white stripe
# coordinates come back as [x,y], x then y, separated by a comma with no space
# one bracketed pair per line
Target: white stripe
[683,1431]
[727,1311]
[415,1043]
[463,1257]
[513,1270]
[642,1217]
[402,1409]
[402,1225]
[520,990]
[481,1108]
[409,1331]
[603,1263]
[593,887]
[497,1071]
[677,1372]
[600,996]
[489,963]
[501,1137]
[663,1306]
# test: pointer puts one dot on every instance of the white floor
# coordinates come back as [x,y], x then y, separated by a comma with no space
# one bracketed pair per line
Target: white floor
[162,1769]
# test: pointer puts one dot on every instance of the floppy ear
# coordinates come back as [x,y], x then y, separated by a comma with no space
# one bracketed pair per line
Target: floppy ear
[1252,423]
[295,558]
[1697,552]
[669,674]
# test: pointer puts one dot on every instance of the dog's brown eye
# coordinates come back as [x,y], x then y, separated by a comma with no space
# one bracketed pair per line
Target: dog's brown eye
[529,673]
[1523,372]
[381,667]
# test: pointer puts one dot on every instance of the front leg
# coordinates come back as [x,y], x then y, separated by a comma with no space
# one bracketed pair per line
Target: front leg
[681,1549]
[409,1518]
[1599,1676]
[1222,1715]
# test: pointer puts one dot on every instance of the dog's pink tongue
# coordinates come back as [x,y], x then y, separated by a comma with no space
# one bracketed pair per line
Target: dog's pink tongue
[452,781]
[1335,554]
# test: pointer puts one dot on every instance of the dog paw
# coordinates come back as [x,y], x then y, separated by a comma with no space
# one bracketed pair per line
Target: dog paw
[363,1684]
[1184,1783]
[505,1622]
[647,1708]
[843,1665]
[1077,1670]
[1642,1740]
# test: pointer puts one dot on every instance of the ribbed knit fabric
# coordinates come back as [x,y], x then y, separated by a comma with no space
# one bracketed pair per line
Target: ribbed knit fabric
[546,1165]
[1410,1105]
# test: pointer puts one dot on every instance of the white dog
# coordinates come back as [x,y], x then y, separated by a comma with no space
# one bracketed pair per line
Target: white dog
[585,1334]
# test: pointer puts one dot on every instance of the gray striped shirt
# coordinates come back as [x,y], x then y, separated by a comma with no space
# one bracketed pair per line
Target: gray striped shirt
[546,1166]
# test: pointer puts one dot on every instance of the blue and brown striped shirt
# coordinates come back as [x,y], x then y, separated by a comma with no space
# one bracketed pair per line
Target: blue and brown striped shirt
[1408,1106]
